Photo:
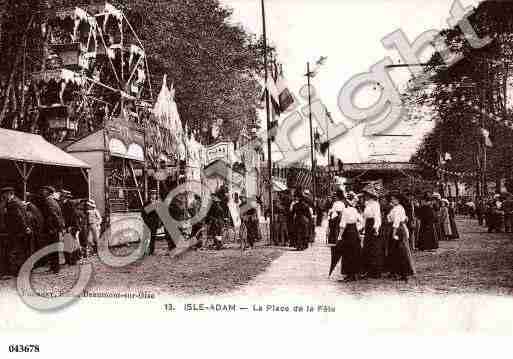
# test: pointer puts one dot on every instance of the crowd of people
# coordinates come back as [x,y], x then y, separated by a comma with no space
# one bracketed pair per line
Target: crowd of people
[46,218]
[494,212]
[376,234]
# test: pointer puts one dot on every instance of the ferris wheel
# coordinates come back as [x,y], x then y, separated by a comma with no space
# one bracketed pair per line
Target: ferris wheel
[93,68]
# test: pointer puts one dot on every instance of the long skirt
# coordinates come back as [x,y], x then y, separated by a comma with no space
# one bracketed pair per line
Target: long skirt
[428,236]
[446,229]
[303,232]
[454,228]
[351,251]
[386,237]
[373,252]
[400,253]
[334,226]
[439,230]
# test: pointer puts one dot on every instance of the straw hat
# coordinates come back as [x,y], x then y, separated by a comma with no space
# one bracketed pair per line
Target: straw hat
[65,193]
[370,190]
[436,195]
[374,189]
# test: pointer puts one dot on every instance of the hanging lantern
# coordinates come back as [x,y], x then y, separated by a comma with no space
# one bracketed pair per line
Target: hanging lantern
[57,117]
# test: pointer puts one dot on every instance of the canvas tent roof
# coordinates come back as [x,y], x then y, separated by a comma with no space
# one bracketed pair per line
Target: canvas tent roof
[26,147]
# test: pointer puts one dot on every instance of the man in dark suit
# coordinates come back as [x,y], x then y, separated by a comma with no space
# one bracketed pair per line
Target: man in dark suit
[54,223]
[152,221]
[18,231]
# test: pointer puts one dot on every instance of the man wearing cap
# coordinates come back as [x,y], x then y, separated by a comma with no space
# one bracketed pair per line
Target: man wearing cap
[303,219]
[54,223]
[18,231]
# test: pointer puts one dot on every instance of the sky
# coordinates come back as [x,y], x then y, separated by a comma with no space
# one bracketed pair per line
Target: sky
[348,33]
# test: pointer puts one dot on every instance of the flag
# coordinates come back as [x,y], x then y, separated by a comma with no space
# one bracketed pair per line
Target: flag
[271,88]
[486,137]
[317,140]
[324,147]
[321,61]
[285,97]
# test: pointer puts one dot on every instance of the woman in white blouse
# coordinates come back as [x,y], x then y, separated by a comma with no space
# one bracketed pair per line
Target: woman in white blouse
[373,252]
[351,222]
[334,215]
[400,253]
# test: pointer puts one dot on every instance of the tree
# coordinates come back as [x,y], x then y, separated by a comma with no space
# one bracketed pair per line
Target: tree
[460,92]
[212,63]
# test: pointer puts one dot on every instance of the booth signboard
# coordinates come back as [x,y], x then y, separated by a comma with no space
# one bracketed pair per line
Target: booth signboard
[218,151]
[125,139]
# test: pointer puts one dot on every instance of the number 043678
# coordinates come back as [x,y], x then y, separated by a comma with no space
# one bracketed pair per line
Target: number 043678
[23,348]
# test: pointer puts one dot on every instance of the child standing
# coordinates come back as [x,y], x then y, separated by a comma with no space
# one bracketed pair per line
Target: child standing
[94,221]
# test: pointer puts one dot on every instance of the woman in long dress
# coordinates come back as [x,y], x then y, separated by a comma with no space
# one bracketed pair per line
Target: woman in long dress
[436,204]
[385,233]
[334,215]
[373,253]
[399,250]
[445,222]
[350,224]
[428,233]
[452,219]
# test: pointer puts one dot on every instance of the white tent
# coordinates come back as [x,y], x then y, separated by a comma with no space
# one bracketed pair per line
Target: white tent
[166,113]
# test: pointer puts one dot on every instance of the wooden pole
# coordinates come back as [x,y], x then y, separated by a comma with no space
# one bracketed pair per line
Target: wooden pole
[268,116]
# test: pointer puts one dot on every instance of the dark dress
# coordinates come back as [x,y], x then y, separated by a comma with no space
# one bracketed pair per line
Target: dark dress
[303,224]
[373,251]
[454,227]
[438,221]
[400,253]
[351,251]
[385,233]
[428,232]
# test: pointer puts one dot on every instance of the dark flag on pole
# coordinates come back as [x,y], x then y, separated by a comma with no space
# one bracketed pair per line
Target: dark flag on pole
[286,99]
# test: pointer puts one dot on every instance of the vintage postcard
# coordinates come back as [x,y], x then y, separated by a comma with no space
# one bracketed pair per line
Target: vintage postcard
[213,168]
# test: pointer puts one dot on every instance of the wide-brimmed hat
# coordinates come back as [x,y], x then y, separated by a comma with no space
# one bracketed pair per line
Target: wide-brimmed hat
[47,188]
[66,193]
[6,189]
[445,200]
[90,203]
[436,195]
[374,189]
[371,192]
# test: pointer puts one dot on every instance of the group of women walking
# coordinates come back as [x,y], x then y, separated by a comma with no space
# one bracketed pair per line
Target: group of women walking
[372,237]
